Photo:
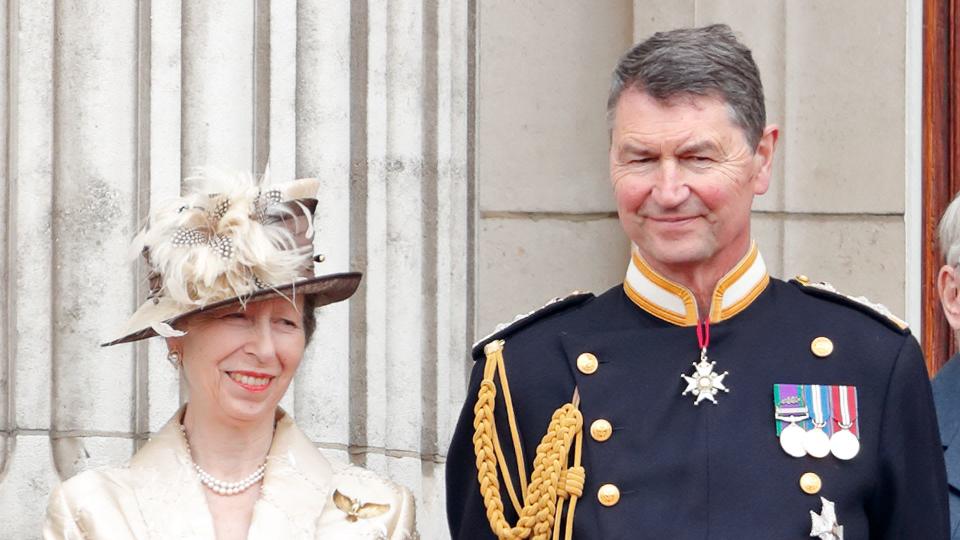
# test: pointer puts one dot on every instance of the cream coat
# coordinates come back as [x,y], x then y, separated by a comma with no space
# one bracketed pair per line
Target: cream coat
[157,495]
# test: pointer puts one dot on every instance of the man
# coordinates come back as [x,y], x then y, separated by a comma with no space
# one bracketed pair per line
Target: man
[701,398]
[946,385]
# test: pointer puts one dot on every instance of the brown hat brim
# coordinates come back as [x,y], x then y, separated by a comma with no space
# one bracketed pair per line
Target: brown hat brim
[324,290]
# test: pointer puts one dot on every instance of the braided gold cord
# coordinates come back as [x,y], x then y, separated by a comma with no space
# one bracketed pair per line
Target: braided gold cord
[550,481]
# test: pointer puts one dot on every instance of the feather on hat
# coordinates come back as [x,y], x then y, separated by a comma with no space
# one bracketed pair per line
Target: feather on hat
[229,239]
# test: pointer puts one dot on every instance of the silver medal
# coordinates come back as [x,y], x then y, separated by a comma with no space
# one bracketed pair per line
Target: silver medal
[816,442]
[844,444]
[704,382]
[791,440]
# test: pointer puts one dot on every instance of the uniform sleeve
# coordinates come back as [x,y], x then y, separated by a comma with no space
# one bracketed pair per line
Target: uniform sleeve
[466,514]
[910,500]
[59,523]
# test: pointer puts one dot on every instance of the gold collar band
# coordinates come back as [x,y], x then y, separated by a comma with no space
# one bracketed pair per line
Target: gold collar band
[674,303]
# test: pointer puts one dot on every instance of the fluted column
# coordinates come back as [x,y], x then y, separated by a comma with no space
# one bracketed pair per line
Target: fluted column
[109,104]
[28,465]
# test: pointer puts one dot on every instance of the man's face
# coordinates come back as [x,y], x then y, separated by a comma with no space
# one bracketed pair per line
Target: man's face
[684,178]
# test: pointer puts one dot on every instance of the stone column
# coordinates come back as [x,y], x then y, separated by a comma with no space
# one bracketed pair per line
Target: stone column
[109,106]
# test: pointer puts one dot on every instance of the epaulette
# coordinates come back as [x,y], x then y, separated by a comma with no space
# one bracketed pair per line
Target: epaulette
[526,319]
[822,289]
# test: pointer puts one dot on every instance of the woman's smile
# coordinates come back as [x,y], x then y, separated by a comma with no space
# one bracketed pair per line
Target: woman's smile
[251,380]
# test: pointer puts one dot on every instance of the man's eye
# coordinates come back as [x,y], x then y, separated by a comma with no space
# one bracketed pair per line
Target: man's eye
[235,316]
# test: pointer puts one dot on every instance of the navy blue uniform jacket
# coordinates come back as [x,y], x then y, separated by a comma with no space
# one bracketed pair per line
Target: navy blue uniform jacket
[717,471]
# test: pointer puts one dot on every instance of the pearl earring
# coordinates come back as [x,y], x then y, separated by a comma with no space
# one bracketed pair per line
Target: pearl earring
[174,358]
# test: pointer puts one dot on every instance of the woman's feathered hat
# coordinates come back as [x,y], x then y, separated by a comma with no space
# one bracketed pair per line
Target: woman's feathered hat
[229,239]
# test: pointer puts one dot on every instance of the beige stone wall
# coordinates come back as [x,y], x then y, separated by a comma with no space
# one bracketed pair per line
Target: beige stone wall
[835,77]
[547,222]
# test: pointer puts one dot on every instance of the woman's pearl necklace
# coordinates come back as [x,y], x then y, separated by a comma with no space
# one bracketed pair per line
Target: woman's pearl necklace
[219,486]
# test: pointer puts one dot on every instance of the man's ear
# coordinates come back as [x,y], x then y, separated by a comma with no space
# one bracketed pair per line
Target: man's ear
[948,287]
[764,156]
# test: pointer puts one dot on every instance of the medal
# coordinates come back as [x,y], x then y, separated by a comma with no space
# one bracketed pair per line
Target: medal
[844,444]
[824,525]
[704,382]
[792,440]
[816,441]
[789,408]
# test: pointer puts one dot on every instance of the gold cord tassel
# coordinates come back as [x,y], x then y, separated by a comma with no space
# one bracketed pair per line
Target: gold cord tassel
[551,483]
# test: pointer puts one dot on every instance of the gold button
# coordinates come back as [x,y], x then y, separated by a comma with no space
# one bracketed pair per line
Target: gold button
[601,430]
[587,363]
[821,347]
[810,483]
[802,279]
[608,494]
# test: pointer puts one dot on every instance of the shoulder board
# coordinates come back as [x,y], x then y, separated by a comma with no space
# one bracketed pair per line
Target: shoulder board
[526,319]
[880,312]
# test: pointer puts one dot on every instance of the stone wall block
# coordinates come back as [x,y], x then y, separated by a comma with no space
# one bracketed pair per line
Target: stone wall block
[452,287]
[860,256]
[844,130]
[651,16]
[767,230]
[523,263]
[93,193]
[218,92]
[395,225]
[282,80]
[322,145]
[406,214]
[94,190]
[26,486]
[6,219]
[542,121]
[162,183]
[31,212]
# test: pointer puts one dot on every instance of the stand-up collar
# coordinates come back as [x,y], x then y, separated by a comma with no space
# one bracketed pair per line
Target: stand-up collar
[675,304]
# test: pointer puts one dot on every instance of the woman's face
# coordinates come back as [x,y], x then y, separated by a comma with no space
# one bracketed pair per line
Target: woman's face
[238,362]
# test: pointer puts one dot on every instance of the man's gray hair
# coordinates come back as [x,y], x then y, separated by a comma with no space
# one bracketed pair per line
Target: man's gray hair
[949,233]
[707,61]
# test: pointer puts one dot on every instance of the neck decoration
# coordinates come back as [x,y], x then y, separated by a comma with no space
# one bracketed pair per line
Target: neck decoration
[221,487]
[675,303]
[704,382]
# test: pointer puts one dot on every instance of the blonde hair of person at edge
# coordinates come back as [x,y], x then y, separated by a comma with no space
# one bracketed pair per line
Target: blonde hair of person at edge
[232,291]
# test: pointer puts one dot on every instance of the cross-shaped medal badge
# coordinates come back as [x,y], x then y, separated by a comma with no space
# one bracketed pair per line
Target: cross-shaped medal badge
[824,525]
[704,383]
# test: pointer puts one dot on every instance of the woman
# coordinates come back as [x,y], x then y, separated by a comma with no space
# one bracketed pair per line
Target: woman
[232,292]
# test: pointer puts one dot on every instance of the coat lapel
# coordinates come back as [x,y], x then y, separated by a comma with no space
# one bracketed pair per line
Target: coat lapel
[167,491]
[296,486]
